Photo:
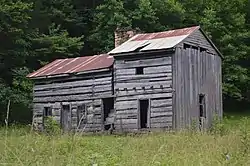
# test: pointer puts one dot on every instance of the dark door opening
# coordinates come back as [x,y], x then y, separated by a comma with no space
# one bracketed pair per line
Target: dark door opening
[202,111]
[144,104]
[108,113]
[66,117]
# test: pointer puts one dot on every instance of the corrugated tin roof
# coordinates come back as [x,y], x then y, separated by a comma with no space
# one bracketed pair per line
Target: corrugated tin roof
[74,65]
[154,41]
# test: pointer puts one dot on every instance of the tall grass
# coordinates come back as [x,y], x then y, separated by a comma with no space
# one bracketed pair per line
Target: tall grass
[184,148]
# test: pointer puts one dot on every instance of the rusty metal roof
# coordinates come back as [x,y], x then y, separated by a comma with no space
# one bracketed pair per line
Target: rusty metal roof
[154,41]
[74,65]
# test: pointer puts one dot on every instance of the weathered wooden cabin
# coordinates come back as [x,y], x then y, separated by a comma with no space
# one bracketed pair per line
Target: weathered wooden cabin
[168,80]
[165,80]
[75,92]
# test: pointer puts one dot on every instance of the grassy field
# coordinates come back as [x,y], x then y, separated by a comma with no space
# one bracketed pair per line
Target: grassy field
[226,144]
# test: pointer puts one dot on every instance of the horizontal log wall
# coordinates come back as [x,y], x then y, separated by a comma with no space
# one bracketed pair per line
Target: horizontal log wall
[86,92]
[196,73]
[154,84]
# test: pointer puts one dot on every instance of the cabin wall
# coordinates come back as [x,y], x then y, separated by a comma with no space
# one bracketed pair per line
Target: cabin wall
[83,94]
[154,84]
[195,73]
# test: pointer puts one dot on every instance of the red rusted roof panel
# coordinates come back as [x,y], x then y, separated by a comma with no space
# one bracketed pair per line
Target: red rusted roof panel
[171,33]
[74,65]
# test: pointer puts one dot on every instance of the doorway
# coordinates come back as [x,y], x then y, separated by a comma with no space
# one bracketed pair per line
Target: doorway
[143,106]
[202,111]
[108,113]
[66,117]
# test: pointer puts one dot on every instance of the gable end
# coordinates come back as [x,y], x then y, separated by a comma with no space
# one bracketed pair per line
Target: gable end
[199,39]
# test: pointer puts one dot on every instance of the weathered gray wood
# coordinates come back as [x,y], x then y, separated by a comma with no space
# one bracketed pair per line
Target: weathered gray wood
[158,69]
[161,119]
[162,109]
[69,84]
[146,95]
[161,125]
[126,116]
[127,111]
[160,114]
[147,70]
[73,91]
[143,84]
[123,105]
[161,103]
[144,63]
[145,77]
[128,121]
[122,72]
[192,78]
[71,97]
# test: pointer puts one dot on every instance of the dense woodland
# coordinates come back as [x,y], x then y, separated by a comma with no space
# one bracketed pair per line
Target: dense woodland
[35,32]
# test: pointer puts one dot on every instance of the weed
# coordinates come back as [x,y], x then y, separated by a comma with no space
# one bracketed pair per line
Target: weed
[51,126]
[218,127]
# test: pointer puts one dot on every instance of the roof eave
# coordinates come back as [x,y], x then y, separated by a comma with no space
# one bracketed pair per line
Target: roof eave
[69,74]
[143,52]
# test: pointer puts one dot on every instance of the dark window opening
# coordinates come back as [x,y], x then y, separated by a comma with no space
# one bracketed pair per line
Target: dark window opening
[139,70]
[202,105]
[47,111]
[108,112]
[81,114]
[144,105]
[202,49]
[189,46]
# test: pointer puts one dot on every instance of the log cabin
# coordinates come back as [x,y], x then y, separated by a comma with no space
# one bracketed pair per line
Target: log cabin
[164,80]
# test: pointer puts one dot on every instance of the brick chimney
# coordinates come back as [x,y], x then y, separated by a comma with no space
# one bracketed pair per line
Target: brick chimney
[122,35]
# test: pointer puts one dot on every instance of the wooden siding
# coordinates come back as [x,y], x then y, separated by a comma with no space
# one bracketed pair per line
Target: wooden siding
[86,91]
[195,73]
[198,39]
[155,84]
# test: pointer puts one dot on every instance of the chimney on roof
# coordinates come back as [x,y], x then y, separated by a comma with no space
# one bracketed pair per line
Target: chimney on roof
[122,35]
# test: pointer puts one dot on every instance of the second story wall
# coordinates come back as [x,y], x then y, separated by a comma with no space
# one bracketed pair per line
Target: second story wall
[143,77]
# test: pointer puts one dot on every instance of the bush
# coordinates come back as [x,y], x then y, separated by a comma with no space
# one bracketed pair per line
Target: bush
[218,127]
[51,126]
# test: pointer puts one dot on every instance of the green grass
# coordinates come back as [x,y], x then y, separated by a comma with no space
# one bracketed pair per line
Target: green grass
[22,147]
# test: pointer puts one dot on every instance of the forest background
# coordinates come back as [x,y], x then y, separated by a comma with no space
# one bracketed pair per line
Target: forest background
[36,32]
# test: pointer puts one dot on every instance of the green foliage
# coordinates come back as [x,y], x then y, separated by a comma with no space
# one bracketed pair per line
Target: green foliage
[34,33]
[218,127]
[51,126]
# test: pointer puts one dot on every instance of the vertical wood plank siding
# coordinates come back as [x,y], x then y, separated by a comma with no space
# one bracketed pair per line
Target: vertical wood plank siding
[155,84]
[195,73]
[86,90]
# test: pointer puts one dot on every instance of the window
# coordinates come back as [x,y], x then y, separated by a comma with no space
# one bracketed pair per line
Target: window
[139,70]
[47,111]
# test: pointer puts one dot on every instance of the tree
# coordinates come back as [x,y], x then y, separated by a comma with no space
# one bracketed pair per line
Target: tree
[23,47]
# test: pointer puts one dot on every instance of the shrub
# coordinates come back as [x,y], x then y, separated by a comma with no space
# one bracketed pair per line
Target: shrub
[51,126]
[218,127]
